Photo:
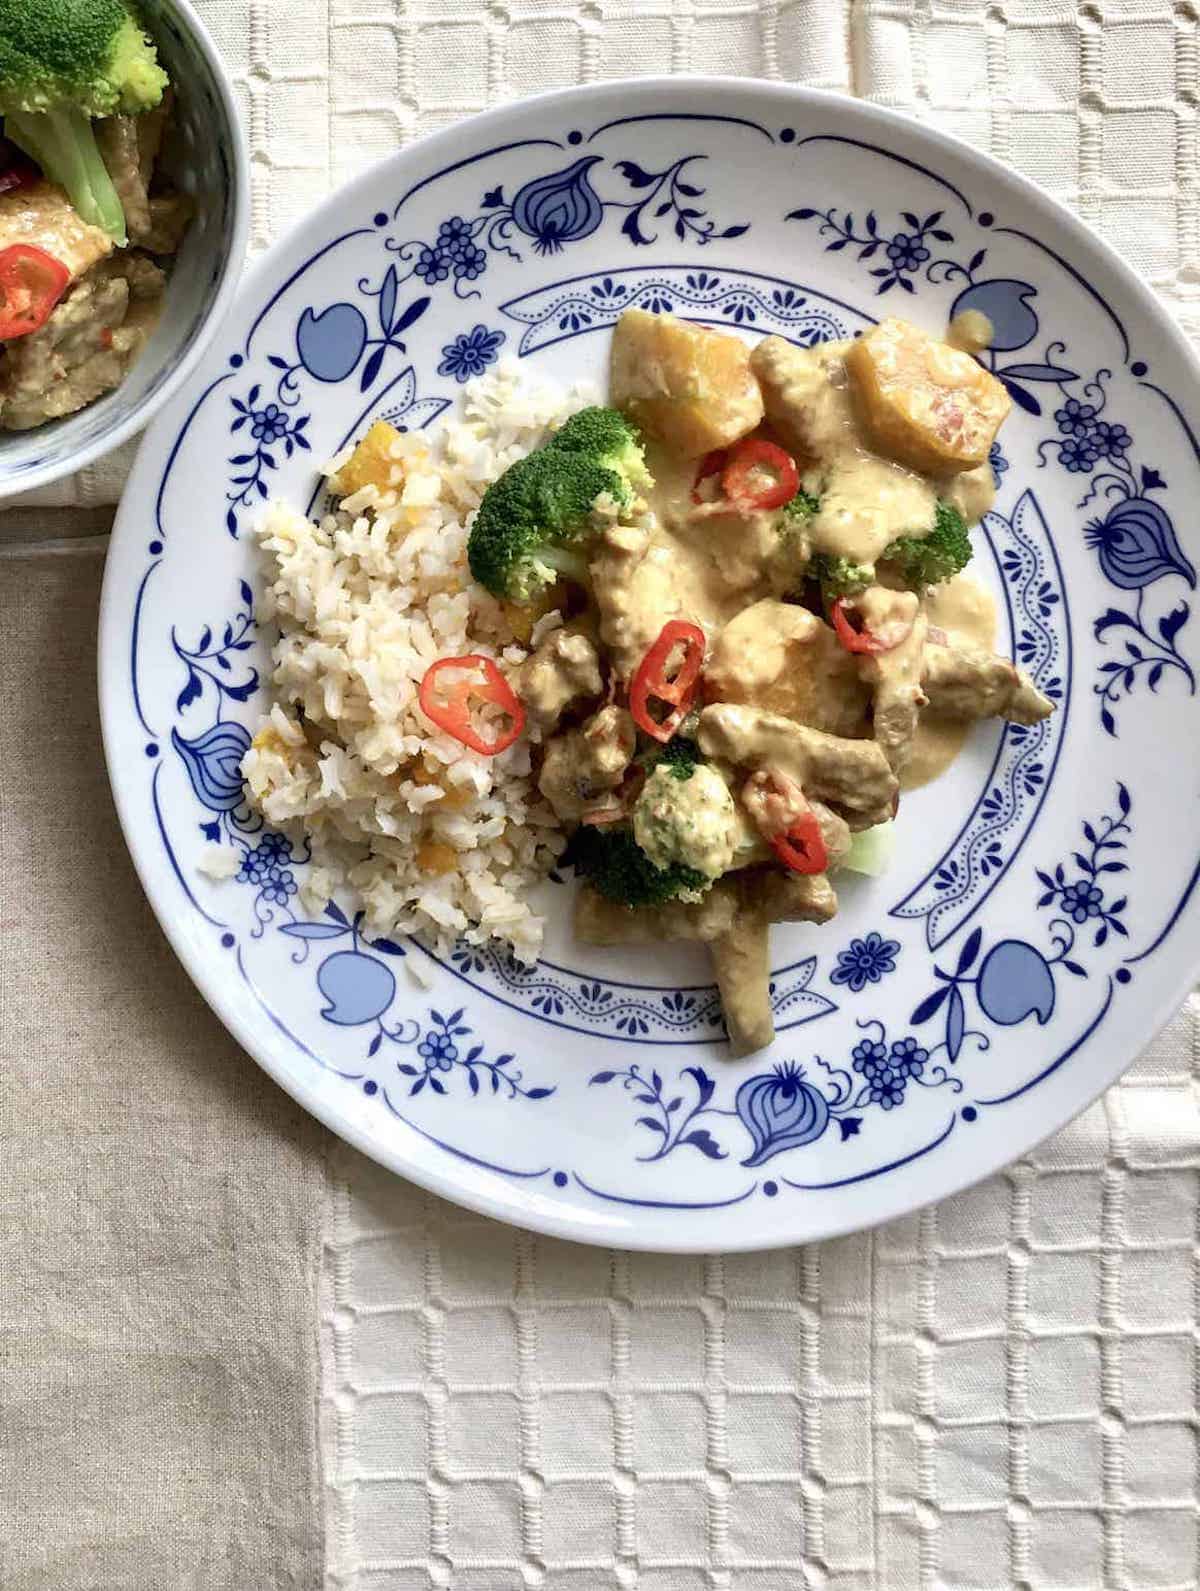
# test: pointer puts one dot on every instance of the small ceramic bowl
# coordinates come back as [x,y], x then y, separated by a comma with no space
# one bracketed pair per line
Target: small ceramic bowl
[209,163]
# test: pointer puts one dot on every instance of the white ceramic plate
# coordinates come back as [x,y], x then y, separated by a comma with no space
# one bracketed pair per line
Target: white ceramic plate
[1040,920]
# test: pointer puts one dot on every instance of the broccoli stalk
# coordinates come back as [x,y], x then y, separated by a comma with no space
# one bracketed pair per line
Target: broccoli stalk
[616,866]
[64,146]
[537,520]
[62,63]
[919,561]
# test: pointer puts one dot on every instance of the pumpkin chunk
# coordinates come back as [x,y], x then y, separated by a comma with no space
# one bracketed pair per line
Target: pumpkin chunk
[924,403]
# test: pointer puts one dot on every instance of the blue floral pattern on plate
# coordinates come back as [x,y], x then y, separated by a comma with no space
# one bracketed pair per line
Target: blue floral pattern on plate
[865,961]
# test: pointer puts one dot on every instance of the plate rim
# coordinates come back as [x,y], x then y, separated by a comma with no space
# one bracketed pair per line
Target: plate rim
[505,1203]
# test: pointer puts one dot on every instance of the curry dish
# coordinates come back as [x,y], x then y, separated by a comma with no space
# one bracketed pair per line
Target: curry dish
[746,626]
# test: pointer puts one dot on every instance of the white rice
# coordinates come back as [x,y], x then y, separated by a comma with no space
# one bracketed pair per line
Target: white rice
[365,600]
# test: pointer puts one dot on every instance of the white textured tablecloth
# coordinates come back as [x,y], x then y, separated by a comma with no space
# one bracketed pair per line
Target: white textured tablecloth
[1001,1392]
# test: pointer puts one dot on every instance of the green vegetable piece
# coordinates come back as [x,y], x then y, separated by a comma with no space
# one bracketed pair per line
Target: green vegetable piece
[924,561]
[801,508]
[838,577]
[871,850]
[681,756]
[614,864]
[63,62]
[691,821]
[537,521]
[607,437]
[919,561]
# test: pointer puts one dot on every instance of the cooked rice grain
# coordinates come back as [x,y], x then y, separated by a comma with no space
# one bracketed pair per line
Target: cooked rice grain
[426,834]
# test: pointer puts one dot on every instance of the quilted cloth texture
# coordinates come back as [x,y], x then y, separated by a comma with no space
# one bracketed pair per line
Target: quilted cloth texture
[996,1392]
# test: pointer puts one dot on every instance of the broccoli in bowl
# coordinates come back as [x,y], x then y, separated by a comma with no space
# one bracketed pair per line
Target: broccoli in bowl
[88,222]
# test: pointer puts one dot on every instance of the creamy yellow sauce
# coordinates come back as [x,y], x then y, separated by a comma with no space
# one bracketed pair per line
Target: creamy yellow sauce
[705,565]
[866,501]
[712,566]
[967,613]
[867,498]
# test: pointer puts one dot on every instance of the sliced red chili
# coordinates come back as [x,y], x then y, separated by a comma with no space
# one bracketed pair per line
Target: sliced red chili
[855,638]
[760,475]
[801,848]
[651,682]
[448,702]
[711,464]
[31,283]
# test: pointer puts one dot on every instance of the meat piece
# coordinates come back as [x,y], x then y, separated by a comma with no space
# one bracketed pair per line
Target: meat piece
[85,348]
[972,492]
[147,281]
[151,125]
[582,766]
[129,146]
[43,216]
[852,776]
[635,593]
[782,658]
[783,897]
[562,671]
[117,140]
[684,384]
[732,919]
[963,683]
[741,954]
[169,217]
[804,395]
[894,676]
[739,554]
[924,403]
[599,921]
[741,962]
[703,567]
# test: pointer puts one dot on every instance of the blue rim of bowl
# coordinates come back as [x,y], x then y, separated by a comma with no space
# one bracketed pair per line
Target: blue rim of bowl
[171,377]
[500,1201]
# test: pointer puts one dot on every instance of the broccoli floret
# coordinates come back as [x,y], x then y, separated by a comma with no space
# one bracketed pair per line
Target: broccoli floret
[838,577]
[681,755]
[801,508]
[63,62]
[927,560]
[614,864]
[919,561]
[691,821]
[536,521]
[605,436]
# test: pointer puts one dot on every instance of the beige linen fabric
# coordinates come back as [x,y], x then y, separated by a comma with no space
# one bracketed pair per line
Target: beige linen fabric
[159,1197]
